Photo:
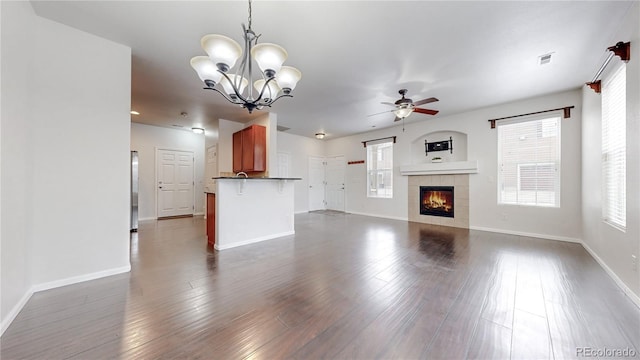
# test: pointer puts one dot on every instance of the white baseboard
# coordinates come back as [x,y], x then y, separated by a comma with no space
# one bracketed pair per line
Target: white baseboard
[198,214]
[254,240]
[15,311]
[527,234]
[635,298]
[378,216]
[147,218]
[80,278]
[54,284]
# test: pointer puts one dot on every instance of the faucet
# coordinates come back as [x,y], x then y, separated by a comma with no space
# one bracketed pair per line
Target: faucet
[242,173]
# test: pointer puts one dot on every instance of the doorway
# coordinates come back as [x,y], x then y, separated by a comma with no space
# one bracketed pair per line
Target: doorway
[326,183]
[174,174]
[334,177]
[316,183]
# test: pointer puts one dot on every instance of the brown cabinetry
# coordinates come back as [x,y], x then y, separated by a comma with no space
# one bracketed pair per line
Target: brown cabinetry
[211,219]
[250,149]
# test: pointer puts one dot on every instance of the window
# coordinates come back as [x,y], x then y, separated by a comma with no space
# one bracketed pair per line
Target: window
[529,161]
[614,144]
[380,170]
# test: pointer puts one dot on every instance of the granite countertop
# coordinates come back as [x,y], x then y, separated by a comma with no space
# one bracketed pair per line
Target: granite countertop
[254,178]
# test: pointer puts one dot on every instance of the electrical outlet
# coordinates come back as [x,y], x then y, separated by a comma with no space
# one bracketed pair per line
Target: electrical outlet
[634,262]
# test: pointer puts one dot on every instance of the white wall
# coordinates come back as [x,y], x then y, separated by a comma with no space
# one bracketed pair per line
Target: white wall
[611,246]
[17,21]
[146,139]
[80,108]
[65,151]
[300,148]
[226,128]
[562,223]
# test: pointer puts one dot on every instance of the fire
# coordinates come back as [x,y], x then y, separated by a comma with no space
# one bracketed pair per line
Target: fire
[437,200]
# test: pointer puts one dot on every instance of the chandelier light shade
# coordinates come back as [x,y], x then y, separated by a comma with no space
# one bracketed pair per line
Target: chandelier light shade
[271,91]
[219,73]
[287,78]
[269,57]
[223,51]
[233,82]
[206,69]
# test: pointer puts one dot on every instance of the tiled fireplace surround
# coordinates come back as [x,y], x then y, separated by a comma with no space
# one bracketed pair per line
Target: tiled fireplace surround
[460,182]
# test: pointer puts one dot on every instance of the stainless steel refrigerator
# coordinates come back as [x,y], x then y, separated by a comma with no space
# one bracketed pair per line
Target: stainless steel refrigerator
[134,191]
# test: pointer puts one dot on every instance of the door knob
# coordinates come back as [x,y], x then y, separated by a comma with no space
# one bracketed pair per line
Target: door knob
[160,187]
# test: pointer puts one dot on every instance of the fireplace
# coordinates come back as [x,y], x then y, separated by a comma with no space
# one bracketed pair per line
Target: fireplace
[436,200]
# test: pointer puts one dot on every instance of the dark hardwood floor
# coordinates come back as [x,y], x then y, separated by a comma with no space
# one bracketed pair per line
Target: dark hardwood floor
[344,287]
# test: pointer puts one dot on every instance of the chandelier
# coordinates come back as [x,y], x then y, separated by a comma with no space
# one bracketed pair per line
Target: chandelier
[274,82]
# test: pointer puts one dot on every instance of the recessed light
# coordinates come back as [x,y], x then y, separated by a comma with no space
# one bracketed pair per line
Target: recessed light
[320,136]
[133,112]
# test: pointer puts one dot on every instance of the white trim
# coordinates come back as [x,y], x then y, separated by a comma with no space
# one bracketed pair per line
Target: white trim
[147,219]
[378,216]
[55,284]
[301,212]
[635,298]
[444,168]
[15,311]
[80,278]
[522,233]
[199,214]
[254,240]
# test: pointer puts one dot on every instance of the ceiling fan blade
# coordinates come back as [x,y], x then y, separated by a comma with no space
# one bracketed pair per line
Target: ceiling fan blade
[388,103]
[397,119]
[384,112]
[425,111]
[425,101]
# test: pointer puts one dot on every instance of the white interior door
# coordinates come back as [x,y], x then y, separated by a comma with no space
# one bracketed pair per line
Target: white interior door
[316,183]
[175,183]
[334,177]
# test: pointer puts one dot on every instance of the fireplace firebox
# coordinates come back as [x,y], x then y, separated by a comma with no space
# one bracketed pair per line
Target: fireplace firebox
[436,200]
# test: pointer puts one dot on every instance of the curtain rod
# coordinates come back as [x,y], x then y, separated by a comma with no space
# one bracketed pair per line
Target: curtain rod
[566,115]
[384,138]
[621,49]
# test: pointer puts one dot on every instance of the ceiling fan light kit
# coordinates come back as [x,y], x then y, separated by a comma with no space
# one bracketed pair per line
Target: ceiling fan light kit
[405,106]
[274,82]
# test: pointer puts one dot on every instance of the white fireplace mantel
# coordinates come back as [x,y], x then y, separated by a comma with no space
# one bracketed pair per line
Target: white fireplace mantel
[443,168]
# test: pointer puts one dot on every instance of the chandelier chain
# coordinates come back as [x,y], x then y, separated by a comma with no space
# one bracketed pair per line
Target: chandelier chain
[249,14]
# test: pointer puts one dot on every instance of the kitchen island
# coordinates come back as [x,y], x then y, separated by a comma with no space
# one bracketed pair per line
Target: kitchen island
[249,210]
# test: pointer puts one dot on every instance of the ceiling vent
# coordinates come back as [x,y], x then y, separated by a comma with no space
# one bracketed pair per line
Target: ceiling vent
[283,128]
[544,59]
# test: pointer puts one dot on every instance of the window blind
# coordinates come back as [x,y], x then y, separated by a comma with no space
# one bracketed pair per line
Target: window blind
[529,161]
[614,145]
[380,169]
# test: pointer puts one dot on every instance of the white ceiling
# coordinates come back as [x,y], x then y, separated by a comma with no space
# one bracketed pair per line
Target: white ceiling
[355,54]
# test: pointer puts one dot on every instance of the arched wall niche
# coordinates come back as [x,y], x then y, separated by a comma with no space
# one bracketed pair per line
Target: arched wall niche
[418,155]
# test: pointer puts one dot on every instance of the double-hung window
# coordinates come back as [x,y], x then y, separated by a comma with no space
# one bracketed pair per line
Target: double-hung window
[614,145]
[380,169]
[529,161]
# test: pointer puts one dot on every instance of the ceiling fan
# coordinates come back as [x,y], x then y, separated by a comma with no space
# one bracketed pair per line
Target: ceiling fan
[405,106]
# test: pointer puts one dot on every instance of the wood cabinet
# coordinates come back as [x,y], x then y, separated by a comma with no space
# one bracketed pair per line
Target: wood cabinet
[250,149]
[211,219]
